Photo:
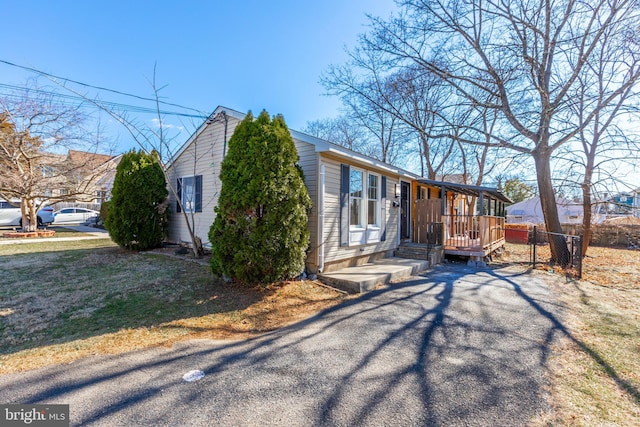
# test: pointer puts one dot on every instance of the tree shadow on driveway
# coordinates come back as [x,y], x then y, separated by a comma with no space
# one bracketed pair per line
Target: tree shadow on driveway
[559,327]
[454,346]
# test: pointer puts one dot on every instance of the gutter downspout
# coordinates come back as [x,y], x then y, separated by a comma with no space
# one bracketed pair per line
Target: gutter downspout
[226,121]
[321,219]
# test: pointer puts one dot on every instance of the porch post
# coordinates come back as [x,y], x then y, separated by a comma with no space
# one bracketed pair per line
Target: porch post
[481,203]
[445,220]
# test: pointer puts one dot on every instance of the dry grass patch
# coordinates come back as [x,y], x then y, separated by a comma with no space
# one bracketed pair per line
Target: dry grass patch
[595,371]
[56,307]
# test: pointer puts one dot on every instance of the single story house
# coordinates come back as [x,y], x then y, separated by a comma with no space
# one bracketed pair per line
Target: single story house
[362,208]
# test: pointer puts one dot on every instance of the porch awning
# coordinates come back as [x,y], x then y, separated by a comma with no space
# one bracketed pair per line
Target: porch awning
[470,190]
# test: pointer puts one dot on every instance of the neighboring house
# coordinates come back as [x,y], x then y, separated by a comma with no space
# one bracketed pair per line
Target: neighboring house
[78,176]
[89,176]
[530,211]
[362,208]
[622,204]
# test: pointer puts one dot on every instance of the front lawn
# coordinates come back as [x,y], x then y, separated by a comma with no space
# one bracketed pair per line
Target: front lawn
[63,301]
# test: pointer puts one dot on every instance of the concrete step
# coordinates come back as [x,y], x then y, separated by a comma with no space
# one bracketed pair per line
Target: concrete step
[363,278]
[407,253]
[433,254]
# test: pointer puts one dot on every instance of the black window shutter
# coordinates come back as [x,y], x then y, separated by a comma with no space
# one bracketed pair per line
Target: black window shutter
[179,195]
[344,205]
[383,214]
[199,193]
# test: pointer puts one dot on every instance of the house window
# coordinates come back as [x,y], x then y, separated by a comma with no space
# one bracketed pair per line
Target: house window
[101,196]
[373,202]
[363,204]
[190,194]
[355,198]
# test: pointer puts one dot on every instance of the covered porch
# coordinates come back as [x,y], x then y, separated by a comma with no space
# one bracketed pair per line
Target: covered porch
[463,219]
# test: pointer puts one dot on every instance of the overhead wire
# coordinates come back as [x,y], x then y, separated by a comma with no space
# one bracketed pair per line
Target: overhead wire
[116,105]
[10,91]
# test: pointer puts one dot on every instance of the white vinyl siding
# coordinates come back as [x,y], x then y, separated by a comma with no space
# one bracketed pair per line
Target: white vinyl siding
[333,250]
[203,157]
[309,162]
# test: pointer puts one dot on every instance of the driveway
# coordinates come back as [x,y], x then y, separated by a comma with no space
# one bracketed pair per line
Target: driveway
[454,346]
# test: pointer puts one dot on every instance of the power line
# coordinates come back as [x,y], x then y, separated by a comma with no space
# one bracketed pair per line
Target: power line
[65,79]
[65,99]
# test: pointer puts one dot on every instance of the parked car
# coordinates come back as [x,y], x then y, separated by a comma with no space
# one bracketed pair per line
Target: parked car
[11,216]
[74,216]
[45,216]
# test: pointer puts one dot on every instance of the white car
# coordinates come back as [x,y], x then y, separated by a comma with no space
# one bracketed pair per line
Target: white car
[74,216]
[11,216]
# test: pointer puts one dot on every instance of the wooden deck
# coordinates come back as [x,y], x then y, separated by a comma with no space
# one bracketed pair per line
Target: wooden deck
[464,235]
[470,247]
[476,236]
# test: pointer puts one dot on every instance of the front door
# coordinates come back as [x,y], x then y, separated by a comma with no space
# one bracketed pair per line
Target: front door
[405,214]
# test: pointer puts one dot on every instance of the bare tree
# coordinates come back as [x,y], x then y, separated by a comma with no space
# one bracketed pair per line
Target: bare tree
[522,59]
[379,124]
[604,141]
[35,133]
[158,138]
[340,130]
[414,98]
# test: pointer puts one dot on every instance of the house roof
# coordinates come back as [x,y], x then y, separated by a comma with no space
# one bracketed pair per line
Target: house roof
[455,178]
[526,205]
[321,146]
[86,158]
[470,190]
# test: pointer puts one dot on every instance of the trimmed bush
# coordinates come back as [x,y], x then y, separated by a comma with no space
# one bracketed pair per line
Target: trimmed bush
[137,214]
[260,232]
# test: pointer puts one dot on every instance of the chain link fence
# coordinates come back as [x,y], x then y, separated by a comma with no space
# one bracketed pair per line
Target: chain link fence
[570,260]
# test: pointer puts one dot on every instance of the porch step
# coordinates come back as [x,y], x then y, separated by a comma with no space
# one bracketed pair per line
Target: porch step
[363,278]
[433,254]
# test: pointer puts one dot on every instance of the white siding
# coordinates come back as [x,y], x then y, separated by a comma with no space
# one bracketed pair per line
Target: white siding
[308,161]
[333,251]
[202,157]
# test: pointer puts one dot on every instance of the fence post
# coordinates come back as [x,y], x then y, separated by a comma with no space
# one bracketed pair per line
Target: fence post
[580,256]
[535,240]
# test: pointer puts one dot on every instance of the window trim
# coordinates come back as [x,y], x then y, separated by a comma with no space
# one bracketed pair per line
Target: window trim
[363,233]
[362,220]
[197,194]
[377,201]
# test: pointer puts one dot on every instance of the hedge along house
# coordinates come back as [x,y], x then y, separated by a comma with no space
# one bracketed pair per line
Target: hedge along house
[357,205]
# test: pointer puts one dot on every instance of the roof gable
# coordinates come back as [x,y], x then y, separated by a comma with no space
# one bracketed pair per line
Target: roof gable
[320,145]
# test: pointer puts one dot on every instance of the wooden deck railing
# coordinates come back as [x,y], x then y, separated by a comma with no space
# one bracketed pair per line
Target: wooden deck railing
[472,232]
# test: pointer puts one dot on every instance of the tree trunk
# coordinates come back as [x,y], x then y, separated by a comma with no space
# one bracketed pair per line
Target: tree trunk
[559,252]
[29,215]
[586,210]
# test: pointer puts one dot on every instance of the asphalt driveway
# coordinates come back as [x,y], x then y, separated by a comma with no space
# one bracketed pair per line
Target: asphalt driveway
[455,346]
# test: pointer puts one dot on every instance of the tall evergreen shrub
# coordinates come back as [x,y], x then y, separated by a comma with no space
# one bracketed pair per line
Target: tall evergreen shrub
[137,215]
[260,232]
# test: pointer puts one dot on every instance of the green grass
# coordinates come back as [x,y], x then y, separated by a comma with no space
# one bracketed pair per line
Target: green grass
[52,246]
[60,232]
[65,301]
[74,293]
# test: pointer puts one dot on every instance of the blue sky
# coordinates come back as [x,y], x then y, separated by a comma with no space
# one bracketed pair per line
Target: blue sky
[248,55]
